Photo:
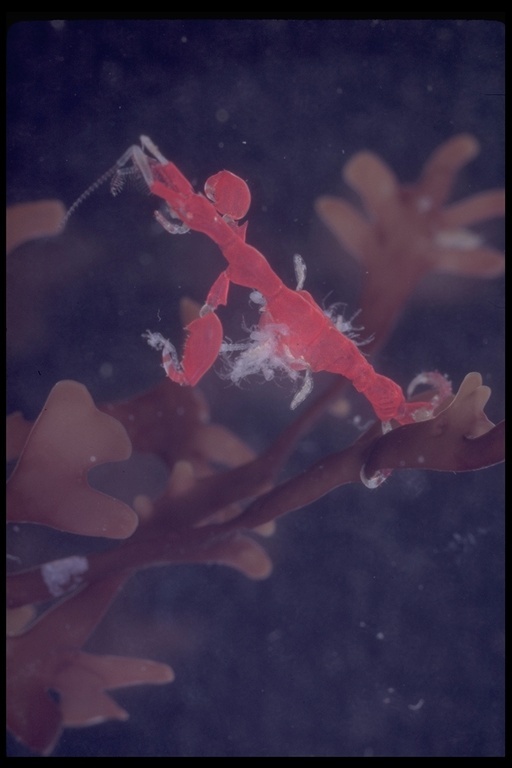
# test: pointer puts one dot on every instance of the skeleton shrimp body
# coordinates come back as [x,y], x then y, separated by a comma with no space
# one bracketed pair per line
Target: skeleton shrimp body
[300,335]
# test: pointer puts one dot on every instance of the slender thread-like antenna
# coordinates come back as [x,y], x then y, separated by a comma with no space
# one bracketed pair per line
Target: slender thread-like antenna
[78,202]
[118,173]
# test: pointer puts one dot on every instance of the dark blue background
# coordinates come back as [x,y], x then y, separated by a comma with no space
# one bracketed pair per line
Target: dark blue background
[379,599]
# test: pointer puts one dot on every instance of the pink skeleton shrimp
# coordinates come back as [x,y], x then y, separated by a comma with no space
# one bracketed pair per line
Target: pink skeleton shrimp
[293,335]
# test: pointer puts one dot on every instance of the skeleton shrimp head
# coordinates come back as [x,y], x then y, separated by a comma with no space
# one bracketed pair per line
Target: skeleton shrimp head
[226,193]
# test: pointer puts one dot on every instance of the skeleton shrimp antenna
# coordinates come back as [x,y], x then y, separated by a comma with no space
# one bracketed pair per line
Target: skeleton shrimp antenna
[88,192]
[118,172]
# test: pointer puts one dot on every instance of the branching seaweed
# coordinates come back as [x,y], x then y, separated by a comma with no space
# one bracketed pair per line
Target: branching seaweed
[220,497]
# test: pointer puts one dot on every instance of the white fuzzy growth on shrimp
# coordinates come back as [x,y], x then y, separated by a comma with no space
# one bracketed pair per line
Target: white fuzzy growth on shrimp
[346,326]
[264,353]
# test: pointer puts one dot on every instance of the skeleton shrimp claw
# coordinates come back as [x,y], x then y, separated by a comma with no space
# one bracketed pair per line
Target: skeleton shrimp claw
[201,350]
